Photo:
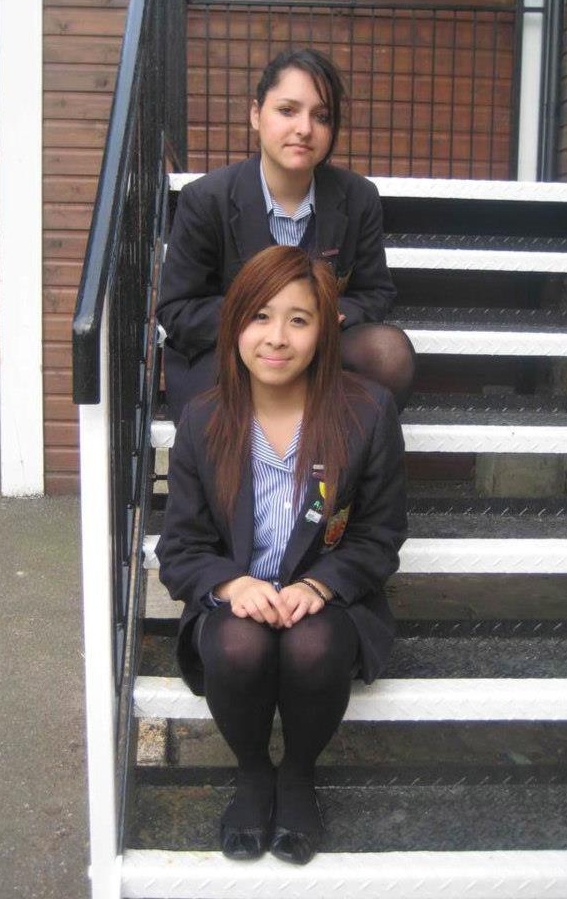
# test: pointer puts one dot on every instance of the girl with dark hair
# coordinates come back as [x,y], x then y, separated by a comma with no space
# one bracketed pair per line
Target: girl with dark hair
[287,194]
[285,514]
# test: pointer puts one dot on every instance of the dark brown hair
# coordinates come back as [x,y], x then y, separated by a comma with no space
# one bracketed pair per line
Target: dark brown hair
[326,78]
[327,411]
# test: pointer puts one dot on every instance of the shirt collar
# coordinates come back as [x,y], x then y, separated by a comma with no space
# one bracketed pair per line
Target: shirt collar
[306,206]
[264,452]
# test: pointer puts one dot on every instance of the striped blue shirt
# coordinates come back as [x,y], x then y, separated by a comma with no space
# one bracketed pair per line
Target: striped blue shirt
[274,513]
[288,230]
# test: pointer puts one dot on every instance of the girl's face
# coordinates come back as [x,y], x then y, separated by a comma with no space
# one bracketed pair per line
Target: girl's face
[293,125]
[280,342]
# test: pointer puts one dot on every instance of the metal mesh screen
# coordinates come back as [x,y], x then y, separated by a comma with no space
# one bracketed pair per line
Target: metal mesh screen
[432,88]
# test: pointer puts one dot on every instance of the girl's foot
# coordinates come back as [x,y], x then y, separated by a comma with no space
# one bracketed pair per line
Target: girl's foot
[245,823]
[298,826]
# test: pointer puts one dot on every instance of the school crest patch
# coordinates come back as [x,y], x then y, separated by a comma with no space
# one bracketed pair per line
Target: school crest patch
[336,527]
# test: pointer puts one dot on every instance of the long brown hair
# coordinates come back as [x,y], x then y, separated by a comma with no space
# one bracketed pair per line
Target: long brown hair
[327,411]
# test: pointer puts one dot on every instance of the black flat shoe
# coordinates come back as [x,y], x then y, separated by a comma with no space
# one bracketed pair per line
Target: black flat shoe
[244,841]
[293,846]
[243,844]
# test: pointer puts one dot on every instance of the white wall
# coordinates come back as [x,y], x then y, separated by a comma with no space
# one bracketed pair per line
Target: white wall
[21,402]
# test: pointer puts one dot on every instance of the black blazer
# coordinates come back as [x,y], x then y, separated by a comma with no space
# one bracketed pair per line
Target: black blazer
[198,549]
[221,222]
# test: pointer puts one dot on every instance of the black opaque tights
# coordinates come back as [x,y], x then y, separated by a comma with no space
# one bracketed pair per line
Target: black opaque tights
[305,671]
[381,353]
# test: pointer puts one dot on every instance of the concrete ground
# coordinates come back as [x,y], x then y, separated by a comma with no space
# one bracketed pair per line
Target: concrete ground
[43,799]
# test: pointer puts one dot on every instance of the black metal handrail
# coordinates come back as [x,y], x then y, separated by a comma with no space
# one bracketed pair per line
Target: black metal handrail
[554,12]
[146,139]
[153,47]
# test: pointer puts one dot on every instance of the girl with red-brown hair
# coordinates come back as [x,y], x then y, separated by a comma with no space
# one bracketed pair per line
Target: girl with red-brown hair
[285,515]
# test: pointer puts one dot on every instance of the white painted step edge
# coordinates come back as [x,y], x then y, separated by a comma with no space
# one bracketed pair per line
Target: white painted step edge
[445,438]
[420,555]
[457,259]
[444,188]
[487,343]
[476,260]
[160,874]
[411,699]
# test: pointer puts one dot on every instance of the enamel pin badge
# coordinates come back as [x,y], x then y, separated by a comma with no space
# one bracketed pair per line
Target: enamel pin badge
[315,511]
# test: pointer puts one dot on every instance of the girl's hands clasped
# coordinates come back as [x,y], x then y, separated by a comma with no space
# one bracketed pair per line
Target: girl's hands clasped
[250,597]
[300,600]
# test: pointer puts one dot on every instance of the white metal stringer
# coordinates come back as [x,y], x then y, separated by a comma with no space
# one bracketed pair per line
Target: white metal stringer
[97,613]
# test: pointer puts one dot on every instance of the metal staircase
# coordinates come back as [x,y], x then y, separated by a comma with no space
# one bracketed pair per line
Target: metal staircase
[448,778]
[494,665]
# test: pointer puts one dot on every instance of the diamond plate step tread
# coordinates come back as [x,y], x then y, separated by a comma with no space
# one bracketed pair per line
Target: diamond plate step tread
[423,627]
[446,526]
[448,499]
[449,318]
[403,699]
[477,517]
[154,874]
[482,410]
[375,776]
[475,260]
[447,331]
[464,521]
[373,819]
[465,423]
[458,241]
[428,657]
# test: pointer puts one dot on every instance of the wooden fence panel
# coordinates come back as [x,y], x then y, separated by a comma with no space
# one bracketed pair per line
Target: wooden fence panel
[82,42]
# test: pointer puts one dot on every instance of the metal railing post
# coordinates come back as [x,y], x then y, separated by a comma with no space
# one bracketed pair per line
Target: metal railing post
[530,90]
[98,637]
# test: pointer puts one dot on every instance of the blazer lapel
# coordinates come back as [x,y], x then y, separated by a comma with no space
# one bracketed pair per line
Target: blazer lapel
[330,220]
[248,219]
[242,525]
[305,531]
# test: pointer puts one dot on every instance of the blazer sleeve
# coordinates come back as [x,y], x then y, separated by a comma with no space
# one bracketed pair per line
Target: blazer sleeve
[368,552]
[191,550]
[370,291]
[192,294]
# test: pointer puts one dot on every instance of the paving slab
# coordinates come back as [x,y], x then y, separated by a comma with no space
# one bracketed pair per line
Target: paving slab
[43,825]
